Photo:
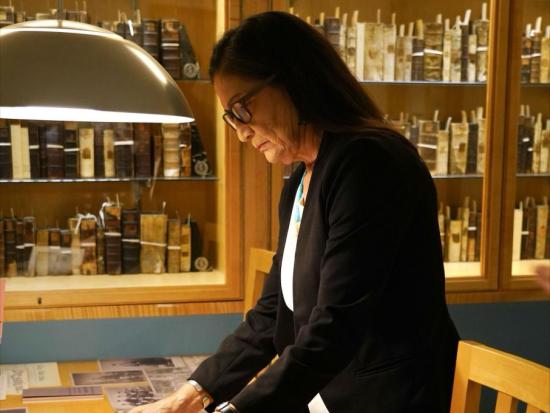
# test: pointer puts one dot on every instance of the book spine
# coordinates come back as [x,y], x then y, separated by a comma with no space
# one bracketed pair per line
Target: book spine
[447,43]
[30,243]
[130,241]
[186,160]
[99,151]
[88,246]
[528,232]
[417,66]
[482,138]
[10,250]
[456,54]
[374,46]
[360,51]
[545,60]
[109,152]
[541,230]
[55,151]
[465,220]
[42,247]
[170,47]
[332,32]
[185,250]
[16,156]
[100,250]
[54,249]
[151,37]
[351,47]
[464,50]
[189,62]
[442,162]
[433,52]
[34,146]
[113,237]
[471,159]
[158,150]
[174,245]
[65,253]
[390,39]
[481,29]
[459,148]
[526,45]
[86,143]
[537,145]
[6,171]
[71,150]
[472,56]
[153,243]
[143,150]
[171,140]
[76,252]
[517,234]
[454,238]
[535,61]
[124,150]
[427,143]
[20,248]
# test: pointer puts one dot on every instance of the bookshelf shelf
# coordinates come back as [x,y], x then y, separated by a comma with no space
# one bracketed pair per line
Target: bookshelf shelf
[544,175]
[96,180]
[423,83]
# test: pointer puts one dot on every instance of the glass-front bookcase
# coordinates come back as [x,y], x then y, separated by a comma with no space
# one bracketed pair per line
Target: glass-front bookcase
[102,220]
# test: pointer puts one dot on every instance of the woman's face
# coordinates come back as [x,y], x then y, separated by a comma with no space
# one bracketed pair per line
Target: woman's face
[273,122]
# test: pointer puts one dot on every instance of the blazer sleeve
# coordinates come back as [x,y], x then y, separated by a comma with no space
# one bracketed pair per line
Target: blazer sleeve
[369,206]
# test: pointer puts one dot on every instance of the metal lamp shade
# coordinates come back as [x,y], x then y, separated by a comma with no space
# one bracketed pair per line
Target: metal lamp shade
[64,70]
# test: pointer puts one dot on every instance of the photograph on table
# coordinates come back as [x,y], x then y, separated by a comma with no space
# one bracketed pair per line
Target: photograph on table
[167,380]
[123,399]
[140,363]
[110,377]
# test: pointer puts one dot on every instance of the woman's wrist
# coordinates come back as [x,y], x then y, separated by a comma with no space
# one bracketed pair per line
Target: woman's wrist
[201,394]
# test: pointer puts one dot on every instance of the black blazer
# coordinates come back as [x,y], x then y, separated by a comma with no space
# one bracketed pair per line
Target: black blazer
[370,329]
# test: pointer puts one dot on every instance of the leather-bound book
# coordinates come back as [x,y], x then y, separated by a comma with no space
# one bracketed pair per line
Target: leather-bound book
[472,234]
[7,15]
[158,150]
[88,246]
[447,41]
[124,150]
[171,142]
[99,152]
[482,139]
[389,43]
[517,233]
[374,51]
[20,248]
[189,62]
[433,51]
[442,162]
[522,142]
[197,259]
[71,150]
[414,131]
[76,252]
[10,250]
[174,245]
[477,249]
[170,47]
[536,45]
[143,150]
[481,30]
[153,243]
[427,143]
[201,166]
[43,151]
[113,237]
[526,51]
[21,165]
[403,55]
[351,42]
[186,161]
[6,171]
[53,133]
[30,242]
[527,142]
[537,145]
[529,230]
[65,253]
[542,229]
[130,241]
[545,57]
[464,215]
[54,251]
[545,149]
[332,31]
[454,238]
[456,51]
[42,248]
[417,68]
[473,136]
[151,37]
[100,249]
[34,148]
[459,146]
[86,143]
[109,152]
[472,57]
[185,249]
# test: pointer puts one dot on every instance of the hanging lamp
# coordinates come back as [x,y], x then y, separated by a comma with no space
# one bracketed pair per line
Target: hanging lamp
[65,70]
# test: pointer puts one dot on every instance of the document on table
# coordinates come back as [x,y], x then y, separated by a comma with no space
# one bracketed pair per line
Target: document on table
[24,376]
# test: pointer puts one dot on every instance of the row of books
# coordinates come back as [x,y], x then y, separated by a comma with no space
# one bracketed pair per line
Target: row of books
[460,231]
[531,239]
[423,51]
[56,150]
[457,148]
[533,143]
[535,54]
[118,241]
[166,40]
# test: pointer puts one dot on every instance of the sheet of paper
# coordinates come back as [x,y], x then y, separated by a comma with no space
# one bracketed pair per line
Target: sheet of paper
[17,378]
[140,363]
[3,386]
[24,376]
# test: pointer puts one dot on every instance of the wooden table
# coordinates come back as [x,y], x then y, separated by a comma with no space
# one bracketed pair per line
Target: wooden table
[78,406]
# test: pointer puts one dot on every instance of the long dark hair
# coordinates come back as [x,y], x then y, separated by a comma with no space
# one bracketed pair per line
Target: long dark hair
[305,64]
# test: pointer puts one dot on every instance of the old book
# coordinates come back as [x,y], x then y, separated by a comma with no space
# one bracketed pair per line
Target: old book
[477,254]
[433,51]
[332,31]
[389,40]
[541,230]
[109,152]
[34,147]
[171,140]
[158,150]
[417,66]
[42,252]
[151,37]
[456,51]
[20,151]
[201,166]
[99,150]
[88,245]
[76,252]
[170,47]
[71,150]
[481,30]
[374,51]
[472,56]
[447,41]
[130,241]
[545,57]
[360,51]
[86,144]
[454,240]
[113,236]
[427,143]
[525,143]
[526,46]
[189,63]
[537,145]
[143,150]
[529,229]
[351,42]
[473,137]
[517,233]
[29,243]
[124,150]
[7,15]
[442,162]
[65,253]
[198,261]
[464,215]
[174,245]
[53,133]
[403,55]
[54,250]
[482,138]
[472,234]
[10,249]
[414,131]
[6,171]
[185,249]
[20,248]
[545,149]
[186,160]
[343,37]
[459,146]
[153,243]
[100,249]
[536,45]
[464,46]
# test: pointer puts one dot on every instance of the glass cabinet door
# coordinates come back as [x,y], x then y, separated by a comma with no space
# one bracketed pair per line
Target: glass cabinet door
[526,234]
[425,63]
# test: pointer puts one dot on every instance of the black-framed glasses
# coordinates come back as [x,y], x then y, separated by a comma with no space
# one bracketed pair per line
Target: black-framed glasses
[238,112]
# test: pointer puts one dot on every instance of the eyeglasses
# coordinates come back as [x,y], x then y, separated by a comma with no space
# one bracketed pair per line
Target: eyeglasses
[238,110]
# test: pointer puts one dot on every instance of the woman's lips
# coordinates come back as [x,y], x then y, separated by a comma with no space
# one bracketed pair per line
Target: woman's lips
[262,146]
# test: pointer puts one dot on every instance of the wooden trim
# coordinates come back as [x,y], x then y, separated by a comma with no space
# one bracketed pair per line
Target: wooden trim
[471,297]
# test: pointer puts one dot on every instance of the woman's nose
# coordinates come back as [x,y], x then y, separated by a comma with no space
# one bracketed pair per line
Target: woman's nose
[244,133]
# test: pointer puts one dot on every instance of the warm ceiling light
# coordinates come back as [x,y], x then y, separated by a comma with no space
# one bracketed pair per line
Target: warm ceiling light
[65,70]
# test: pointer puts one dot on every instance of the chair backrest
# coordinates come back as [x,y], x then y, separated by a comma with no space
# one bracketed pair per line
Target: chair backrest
[515,379]
[259,265]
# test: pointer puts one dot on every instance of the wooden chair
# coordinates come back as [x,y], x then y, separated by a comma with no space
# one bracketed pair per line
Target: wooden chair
[259,264]
[515,379]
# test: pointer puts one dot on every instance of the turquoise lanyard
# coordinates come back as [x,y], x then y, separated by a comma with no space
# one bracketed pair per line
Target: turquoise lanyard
[297,211]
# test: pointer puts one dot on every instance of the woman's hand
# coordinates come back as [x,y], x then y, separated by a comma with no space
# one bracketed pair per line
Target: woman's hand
[186,400]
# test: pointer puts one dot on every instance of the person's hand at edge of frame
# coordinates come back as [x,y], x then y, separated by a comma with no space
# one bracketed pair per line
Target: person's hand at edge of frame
[186,400]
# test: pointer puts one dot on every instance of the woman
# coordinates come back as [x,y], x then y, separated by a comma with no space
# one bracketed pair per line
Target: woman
[354,305]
